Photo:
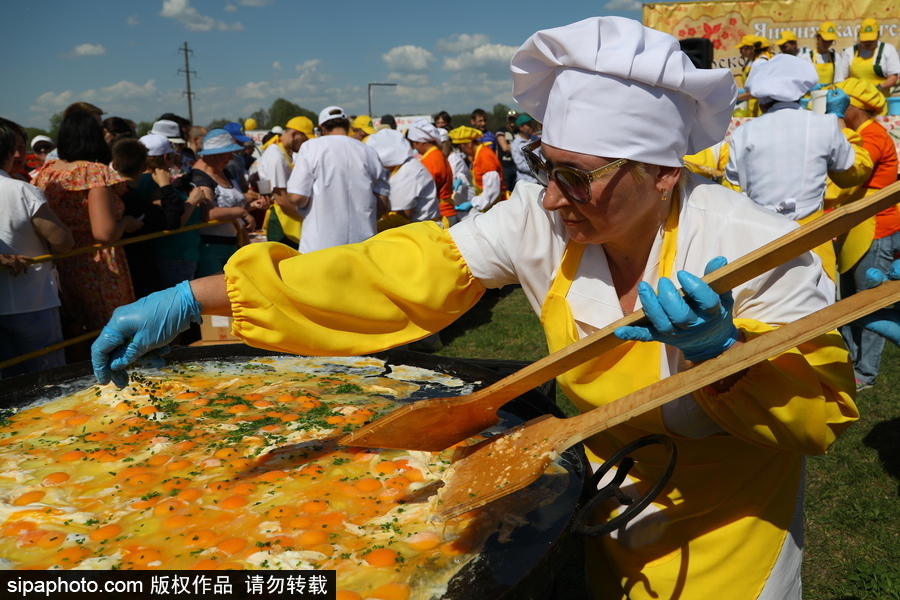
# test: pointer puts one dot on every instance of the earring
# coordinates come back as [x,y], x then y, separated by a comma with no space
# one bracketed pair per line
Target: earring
[665,193]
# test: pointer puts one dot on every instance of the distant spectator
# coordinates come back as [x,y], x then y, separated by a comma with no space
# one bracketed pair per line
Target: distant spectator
[171,130]
[478,120]
[442,120]
[193,146]
[117,128]
[425,138]
[41,147]
[525,134]
[487,174]
[236,166]
[361,127]
[388,120]
[826,59]
[505,136]
[29,297]
[82,190]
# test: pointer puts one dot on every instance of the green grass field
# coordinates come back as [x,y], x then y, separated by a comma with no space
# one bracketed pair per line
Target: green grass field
[852,508]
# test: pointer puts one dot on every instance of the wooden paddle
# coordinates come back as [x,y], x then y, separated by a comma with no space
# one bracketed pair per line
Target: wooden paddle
[508,462]
[429,425]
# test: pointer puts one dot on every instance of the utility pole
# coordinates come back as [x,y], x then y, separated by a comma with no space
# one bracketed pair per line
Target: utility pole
[187,73]
[370,94]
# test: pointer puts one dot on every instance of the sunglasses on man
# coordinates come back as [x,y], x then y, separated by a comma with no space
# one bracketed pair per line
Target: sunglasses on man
[43,149]
[575,184]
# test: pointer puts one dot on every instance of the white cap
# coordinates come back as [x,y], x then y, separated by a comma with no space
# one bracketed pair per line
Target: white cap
[277,129]
[608,86]
[169,130]
[156,145]
[422,130]
[331,112]
[783,78]
[41,138]
[391,146]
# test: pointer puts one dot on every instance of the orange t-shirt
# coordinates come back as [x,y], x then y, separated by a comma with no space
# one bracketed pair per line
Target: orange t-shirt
[486,160]
[436,163]
[880,145]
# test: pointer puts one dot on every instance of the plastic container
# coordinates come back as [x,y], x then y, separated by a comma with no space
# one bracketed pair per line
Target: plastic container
[818,101]
[893,106]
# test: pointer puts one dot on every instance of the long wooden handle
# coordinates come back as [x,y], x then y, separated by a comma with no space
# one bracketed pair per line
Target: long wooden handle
[754,264]
[741,357]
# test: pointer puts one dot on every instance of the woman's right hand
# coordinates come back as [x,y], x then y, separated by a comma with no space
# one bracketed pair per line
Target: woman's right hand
[249,221]
[162,177]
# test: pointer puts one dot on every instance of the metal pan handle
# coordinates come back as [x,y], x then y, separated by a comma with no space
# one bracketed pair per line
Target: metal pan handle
[623,463]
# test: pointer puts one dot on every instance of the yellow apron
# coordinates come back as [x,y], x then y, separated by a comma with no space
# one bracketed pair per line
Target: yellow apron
[864,68]
[826,250]
[826,73]
[720,500]
[290,225]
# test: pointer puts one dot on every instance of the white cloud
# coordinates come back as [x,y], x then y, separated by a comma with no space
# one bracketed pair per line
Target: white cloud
[88,50]
[308,66]
[461,42]
[409,79]
[255,2]
[624,5]
[187,15]
[408,58]
[229,7]
[276,66]
[133,20]
[483,56]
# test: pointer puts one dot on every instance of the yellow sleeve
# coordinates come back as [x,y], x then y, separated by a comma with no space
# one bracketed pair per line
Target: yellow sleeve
[862,164]
[798,401]
[394,288]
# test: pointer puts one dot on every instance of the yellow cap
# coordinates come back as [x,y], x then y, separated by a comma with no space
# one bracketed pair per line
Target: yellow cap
[763,41]
[747,40]
[250,124]
[363,122]
[863,94]
[303,125]
[786,36]
[828,31]
[868,31]
[465,134]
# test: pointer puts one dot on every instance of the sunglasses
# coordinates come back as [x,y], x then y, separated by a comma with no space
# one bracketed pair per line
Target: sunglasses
[43,149]
[575,184]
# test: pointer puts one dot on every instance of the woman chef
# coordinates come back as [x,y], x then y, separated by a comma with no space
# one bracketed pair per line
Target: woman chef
[616,223]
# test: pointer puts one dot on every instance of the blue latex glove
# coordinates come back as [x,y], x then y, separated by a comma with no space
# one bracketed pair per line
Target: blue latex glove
[884,322]
[741,91]
[137,328]
[457,183]
[699,324]
[836,103]
[464,206]
[817,87]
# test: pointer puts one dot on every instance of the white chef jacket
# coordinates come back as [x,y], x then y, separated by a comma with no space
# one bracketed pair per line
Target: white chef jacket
[781,158]
[341,176]
[413,187]
[273,167]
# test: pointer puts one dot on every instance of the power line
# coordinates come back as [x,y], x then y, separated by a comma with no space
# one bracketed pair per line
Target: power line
[187,74]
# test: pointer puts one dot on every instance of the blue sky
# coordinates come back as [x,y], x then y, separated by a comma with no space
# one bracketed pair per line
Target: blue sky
[123,55]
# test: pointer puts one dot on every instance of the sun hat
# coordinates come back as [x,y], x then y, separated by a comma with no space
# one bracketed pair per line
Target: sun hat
[237,132]
[391,146]
[156,145]
[422,130]
[465,134]
[868,30]
[331,112]
[41,138]
[218,141]
[783,78]
[863,94]
[363,122]
[302,124]
[168,129]
[608,86]
[786,36]
[828,31]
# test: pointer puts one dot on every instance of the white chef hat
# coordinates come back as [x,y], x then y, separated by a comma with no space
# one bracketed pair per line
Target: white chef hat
[783,78]
[391,146]
[423,131]
[608,86]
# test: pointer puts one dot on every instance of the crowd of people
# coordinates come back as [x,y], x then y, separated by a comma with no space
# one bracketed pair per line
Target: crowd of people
[103,182]
[595,218]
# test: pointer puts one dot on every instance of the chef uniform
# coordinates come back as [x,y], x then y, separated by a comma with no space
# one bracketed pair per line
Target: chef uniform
[729,522]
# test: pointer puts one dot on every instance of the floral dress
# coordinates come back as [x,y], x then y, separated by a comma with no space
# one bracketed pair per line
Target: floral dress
[92,285]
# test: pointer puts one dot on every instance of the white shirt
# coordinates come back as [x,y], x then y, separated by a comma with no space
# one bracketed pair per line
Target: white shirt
[413,188]
[273,166]
[781,158]
[37,289]
[523,171]
[890,61]
[341,176]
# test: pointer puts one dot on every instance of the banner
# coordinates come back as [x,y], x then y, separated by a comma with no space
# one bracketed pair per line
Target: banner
[725,23]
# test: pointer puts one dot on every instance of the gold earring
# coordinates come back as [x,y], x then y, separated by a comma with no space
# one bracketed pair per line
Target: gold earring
[665,192]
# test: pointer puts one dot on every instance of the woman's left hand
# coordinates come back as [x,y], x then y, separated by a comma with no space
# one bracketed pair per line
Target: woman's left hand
[699,324]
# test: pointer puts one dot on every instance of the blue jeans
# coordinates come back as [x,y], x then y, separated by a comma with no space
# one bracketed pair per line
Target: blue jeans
[865,347]
[27,332]
[173,271]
